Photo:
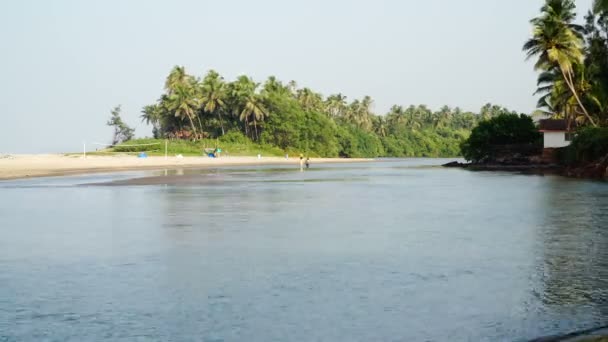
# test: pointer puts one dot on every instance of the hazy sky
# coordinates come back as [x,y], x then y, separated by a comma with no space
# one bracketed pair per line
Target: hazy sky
[65,64]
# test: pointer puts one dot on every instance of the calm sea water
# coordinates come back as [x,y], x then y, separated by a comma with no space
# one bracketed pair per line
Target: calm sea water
[387,251]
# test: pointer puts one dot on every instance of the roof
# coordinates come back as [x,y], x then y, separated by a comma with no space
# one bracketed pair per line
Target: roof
[552,125]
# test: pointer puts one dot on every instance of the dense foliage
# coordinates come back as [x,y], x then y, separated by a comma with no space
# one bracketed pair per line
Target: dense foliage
[573,62]
[486,140]
[300,120]
[589,145]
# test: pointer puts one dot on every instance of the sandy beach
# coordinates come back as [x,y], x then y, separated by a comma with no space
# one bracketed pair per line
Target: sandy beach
[26,166]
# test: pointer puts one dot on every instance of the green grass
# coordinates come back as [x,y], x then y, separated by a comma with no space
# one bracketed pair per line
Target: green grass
[189,148]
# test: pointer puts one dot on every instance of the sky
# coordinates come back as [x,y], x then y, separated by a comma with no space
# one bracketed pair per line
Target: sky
[64,64]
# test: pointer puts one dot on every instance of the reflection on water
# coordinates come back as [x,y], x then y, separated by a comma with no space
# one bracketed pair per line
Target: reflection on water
[575,250]
[396,250]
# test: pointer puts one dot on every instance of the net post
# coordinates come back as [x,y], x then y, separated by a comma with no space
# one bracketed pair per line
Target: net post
[166,143]
[84,150]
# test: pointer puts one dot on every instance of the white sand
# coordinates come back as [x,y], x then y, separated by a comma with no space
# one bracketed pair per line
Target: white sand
[24,166]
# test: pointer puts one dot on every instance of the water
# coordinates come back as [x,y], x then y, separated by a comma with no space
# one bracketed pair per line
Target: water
[388,251]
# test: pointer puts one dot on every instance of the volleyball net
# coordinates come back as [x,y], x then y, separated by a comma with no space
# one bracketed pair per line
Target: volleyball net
[125,148]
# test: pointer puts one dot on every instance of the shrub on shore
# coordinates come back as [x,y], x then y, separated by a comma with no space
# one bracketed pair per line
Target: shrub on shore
[487,139]
[589,145]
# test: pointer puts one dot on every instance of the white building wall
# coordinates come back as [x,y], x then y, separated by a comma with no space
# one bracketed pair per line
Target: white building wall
[555,139]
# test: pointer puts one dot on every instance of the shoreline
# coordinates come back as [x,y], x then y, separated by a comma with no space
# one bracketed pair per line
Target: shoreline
[590,171]
[56,165]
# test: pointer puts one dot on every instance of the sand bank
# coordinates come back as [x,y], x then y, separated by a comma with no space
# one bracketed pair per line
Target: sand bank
[25,166]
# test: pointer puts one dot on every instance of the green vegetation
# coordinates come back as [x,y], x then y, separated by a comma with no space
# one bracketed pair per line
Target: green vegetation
[572,84]
[589,145]
[573,62]
[273,117]
[122,132]
[231,144]
[280,118]
[515,132]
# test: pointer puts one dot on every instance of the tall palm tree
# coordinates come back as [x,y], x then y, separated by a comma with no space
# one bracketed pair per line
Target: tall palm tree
[249,106]
[213,95]
[273,85]
[152,115]
[486,112]
[556,99]
[364,113]
[309,100]
[444,116]
[380,125]
[335,105]
[254,110]
[292,86]
[184,104]
[556,44]
[561,11]
[177,77]
[422,116]
[351,112]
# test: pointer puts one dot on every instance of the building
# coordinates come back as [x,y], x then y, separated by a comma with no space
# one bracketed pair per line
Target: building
[556,133]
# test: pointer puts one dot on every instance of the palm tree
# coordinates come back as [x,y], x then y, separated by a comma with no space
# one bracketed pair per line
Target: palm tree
[183,104]
[292,86]
[213,95]
[422,116]
[600,6]
[249,103]
[356,113]
[309,100]
[273,85]
[361,111]
[335,105]
[444,116]
[380,125]
[396,117]
[176,77]
[556,44]
[561,11]
[152,115]
[253,109]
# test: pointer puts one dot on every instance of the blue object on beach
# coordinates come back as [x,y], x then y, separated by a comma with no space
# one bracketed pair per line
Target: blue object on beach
[142,155]
[211,155]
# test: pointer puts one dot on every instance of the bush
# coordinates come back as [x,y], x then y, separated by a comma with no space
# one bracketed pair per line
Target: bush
[506,129]
[235,137]
[589,144]
[356,143]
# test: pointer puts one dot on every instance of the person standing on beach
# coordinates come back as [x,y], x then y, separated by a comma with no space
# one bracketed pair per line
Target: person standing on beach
[301,162]
[307,162]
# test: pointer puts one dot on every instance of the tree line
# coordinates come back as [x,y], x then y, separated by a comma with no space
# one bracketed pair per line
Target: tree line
[572,61]
[298,118]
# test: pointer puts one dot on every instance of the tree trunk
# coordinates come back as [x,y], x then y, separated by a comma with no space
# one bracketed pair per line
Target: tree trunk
[219,114]
[255,126]
[246,127]
[192,124]
[570,84]
[200,124]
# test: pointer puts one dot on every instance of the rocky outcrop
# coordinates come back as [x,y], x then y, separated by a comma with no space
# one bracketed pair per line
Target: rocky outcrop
[597,170]
[537,165]
[454,164]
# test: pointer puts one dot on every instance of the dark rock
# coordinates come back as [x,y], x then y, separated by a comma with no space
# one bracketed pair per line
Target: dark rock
[454,164]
